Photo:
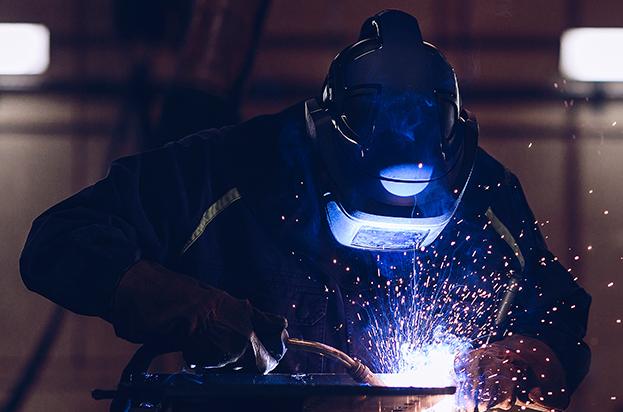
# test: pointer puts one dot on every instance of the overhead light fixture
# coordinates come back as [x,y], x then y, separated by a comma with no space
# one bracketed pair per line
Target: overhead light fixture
[24,48]
[590,54]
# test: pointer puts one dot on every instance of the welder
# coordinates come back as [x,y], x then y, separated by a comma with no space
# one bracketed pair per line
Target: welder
[207,245]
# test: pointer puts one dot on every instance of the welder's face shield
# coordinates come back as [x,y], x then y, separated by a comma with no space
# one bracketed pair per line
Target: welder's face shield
[369,115]
[400,167]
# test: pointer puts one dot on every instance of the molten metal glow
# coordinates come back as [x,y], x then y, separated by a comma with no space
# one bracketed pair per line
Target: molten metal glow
[430,365]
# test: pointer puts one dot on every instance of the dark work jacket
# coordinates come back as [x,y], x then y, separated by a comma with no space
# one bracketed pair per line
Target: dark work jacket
[241,209]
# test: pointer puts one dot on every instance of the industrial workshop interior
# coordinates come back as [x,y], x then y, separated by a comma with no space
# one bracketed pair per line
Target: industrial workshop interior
[288,205]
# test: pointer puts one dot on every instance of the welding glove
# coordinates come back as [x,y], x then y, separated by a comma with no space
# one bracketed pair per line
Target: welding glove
[155,305]
[517,370]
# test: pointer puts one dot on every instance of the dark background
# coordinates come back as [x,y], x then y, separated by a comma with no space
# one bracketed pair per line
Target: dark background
[111,73]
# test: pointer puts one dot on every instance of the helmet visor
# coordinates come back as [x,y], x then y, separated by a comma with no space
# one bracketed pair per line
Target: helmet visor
[394,128]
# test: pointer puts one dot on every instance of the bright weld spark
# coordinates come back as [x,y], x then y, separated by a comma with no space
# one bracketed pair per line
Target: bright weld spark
[442,307]
[430,365]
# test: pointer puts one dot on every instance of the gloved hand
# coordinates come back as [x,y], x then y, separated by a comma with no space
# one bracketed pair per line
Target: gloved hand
[517,368]
[155,305]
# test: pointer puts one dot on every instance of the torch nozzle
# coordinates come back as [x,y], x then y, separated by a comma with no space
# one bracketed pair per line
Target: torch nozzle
[357,370]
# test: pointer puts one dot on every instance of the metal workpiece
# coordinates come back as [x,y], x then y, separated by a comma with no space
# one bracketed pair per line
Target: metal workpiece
[238,392]
[412,403]
[198,390]
[189,391]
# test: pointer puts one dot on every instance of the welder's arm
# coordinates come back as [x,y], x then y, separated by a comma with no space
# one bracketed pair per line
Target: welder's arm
[78,250]
[551,307]
[92,254]
[545,358]
[554,309]
[212,328]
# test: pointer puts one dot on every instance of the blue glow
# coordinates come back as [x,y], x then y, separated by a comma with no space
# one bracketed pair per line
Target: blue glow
[409,114]
[366,231]
[407,179]
[408,172]
[429,364]
[403,189]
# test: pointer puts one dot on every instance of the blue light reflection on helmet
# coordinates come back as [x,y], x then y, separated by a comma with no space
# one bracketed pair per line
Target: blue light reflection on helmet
[406,179]
[366,231]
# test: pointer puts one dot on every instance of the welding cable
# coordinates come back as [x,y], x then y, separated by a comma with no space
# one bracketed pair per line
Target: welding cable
[357,370]
[500,326]
[512,287]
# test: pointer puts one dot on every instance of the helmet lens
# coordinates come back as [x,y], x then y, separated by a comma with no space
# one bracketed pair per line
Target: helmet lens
[360,109]
[400,122]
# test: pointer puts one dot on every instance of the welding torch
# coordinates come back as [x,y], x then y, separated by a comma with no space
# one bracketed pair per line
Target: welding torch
[357,370]
[512,288]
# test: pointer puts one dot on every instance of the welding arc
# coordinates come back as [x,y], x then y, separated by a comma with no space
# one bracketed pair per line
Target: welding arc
[357,370]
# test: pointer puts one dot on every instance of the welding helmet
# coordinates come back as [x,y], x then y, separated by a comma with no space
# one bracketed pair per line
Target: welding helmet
[389,128]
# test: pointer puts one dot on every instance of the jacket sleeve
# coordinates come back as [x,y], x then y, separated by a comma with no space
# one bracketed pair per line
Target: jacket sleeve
[77,250]
[551,306]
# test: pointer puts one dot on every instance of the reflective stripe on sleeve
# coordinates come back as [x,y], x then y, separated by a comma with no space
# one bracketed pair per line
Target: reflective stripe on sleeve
[507,236]
[215,208]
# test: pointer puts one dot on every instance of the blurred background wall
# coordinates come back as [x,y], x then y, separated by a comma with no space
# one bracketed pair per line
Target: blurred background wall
[112,65]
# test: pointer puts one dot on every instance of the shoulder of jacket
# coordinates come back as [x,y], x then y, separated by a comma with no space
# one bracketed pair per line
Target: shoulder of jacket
[266,125]
[488,177]
[488,169]
[249,142]
[255,124]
